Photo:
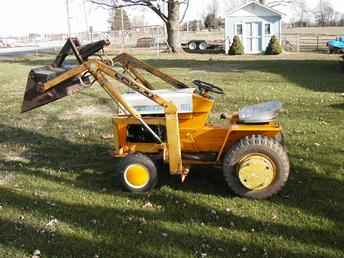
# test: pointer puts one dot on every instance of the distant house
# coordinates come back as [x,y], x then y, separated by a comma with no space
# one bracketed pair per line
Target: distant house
[255,24]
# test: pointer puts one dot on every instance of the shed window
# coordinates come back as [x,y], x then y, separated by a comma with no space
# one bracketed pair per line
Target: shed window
[267,29]
[239,29]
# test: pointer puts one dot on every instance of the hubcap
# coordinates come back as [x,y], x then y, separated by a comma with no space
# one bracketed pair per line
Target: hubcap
[192,46]
[256,171]
[203,46]
[136,176]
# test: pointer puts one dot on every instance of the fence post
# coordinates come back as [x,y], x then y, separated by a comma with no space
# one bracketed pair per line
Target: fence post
[318,42]
[158,42]
[297,42]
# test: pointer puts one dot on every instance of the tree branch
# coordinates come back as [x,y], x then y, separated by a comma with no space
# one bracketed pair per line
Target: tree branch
[279,3]
[187,2]
[115,4]
[156,10]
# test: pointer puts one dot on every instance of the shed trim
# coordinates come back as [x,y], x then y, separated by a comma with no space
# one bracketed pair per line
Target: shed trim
[278,13]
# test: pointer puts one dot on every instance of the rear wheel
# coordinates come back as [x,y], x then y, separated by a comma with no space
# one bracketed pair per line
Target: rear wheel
[138,173]
[334,50]
[203,46]
[256,167]
[192,45]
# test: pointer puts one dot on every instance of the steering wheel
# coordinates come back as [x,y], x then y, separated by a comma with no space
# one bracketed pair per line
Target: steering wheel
[207,87]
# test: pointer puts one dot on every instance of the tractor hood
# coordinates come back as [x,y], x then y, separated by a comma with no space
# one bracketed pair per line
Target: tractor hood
[260,113]
[182,98]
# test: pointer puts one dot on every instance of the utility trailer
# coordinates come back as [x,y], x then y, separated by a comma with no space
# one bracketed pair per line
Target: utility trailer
[203,45]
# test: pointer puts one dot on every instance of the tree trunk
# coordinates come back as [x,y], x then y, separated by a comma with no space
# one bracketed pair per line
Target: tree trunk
[262,1]
[172,25]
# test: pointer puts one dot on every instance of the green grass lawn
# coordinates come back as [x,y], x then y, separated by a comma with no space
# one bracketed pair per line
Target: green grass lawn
[56,193]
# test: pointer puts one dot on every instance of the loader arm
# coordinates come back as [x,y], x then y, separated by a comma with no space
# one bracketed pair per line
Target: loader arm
[171,115]
[131,64]
[98,70]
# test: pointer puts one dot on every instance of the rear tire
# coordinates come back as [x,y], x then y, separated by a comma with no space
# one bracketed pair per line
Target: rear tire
[203,46]
[138,173]
[192,45]
[253,152]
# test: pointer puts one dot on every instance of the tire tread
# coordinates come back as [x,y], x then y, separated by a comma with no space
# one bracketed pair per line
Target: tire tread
[269,145]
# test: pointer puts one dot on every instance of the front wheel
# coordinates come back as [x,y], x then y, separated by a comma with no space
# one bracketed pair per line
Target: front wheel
[192,45]
[203,46]
[256,167]
[138,173]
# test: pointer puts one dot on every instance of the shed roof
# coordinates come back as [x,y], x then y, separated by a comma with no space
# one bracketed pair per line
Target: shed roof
[267,8]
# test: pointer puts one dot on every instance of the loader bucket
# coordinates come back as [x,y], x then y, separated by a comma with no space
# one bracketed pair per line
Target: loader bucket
[34,97]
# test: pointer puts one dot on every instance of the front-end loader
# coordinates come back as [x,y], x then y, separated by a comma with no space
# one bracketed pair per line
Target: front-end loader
[169,125]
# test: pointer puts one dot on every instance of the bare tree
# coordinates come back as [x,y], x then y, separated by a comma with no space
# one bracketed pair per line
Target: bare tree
[137,20]
[301,13]
[232,4]
[325,15]
[194,25]
[172,17]
[276,3]
[213,7]
[210,17]
[116,18]
[340,21]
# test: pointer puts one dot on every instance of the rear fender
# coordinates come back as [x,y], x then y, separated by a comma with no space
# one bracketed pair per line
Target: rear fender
[237,132]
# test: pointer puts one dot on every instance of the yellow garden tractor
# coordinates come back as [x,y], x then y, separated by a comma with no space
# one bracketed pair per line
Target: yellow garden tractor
[169,125]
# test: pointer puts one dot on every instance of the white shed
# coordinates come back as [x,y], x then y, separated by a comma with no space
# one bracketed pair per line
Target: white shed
[255,24]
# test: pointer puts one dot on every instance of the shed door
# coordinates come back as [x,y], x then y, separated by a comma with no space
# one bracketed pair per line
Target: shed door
[253,37]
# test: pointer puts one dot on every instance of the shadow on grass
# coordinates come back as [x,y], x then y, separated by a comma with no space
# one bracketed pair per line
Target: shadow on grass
[208,51]
[311,194]
[34,61]
[316,75]
[114,234]
[29,61]
[90,162]
[93,169]
[98,99]
[338,106]
[116,230]
[200,180]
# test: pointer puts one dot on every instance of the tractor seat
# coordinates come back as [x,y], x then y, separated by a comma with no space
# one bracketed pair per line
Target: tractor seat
[260,113]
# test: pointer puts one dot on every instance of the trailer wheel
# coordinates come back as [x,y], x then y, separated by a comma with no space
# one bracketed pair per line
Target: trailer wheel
[203,45]
[192,45]
[138,173]
[256,167]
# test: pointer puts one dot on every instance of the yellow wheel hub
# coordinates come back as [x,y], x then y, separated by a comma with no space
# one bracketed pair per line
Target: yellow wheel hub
[256,171]
[136,176]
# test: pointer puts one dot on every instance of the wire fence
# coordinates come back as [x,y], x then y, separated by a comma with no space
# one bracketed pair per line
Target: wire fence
[154,39]
[306,42]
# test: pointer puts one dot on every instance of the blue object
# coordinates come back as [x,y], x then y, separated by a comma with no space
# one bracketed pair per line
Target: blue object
[336,43]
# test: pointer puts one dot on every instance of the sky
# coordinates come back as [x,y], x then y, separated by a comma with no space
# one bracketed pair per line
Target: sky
[18,17]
